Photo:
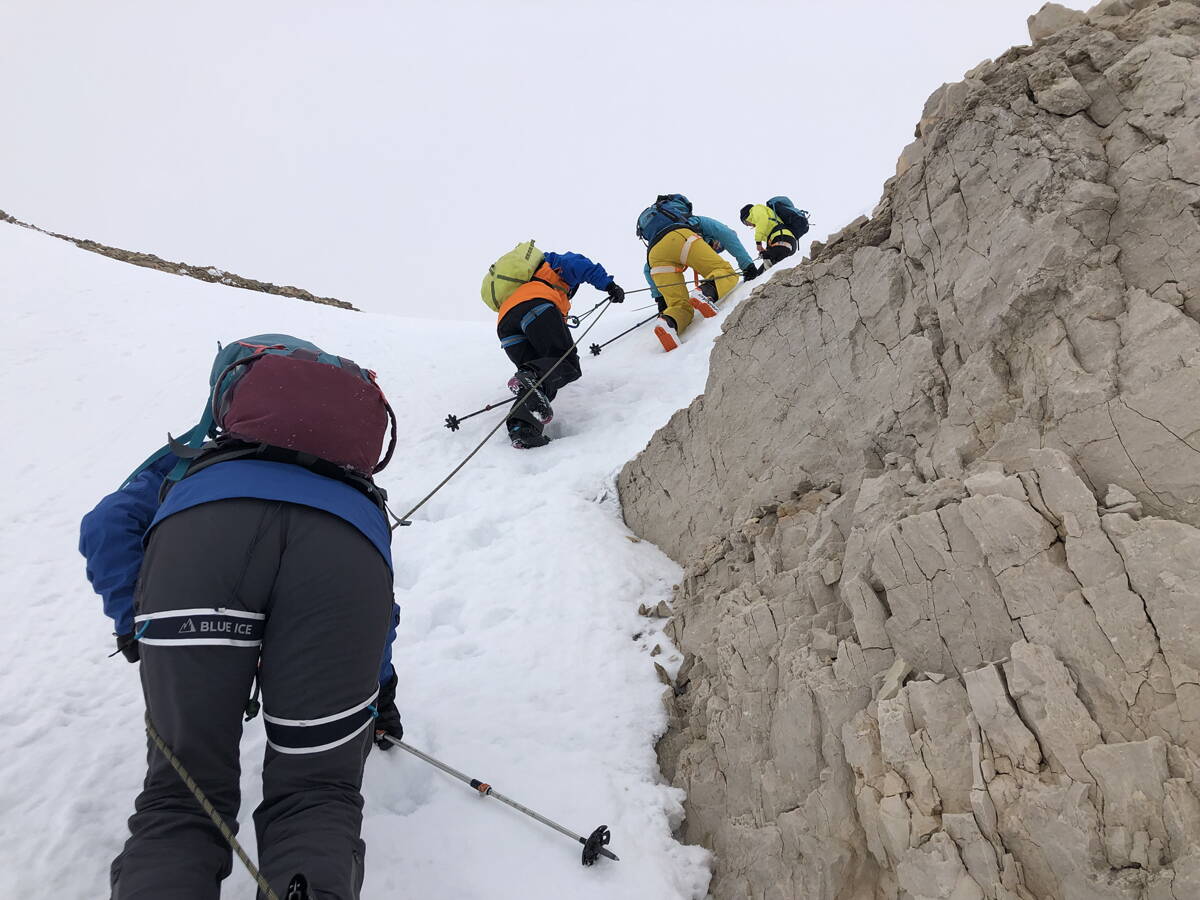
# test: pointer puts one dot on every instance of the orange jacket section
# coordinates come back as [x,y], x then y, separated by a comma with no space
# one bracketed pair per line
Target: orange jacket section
[548,287]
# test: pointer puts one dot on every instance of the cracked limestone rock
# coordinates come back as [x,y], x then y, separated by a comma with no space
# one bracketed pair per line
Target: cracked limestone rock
[939,507]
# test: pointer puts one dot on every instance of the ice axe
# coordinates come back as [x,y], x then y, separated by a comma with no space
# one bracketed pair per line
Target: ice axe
[594,846]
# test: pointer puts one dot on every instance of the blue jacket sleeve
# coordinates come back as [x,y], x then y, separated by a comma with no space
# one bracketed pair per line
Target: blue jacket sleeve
[576,269]
[655,293]
[386,671]
[711,229]
[110,539]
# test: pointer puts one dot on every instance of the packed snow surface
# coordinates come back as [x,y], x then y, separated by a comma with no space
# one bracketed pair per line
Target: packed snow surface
[521,656]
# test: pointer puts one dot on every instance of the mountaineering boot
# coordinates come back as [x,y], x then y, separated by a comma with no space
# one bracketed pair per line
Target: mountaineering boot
[537,402]
[666,337]
[705,304]
[702,306]
[524,436]
[298,889]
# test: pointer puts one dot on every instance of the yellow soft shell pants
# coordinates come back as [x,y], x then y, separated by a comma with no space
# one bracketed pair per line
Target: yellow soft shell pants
[669,257]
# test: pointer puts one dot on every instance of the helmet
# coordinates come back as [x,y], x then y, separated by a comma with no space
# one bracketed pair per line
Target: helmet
[745,213]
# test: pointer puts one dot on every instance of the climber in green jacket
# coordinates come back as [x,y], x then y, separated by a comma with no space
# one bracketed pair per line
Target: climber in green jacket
[775,238]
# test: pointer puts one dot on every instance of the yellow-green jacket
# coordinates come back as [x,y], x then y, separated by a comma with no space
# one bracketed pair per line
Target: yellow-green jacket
[766,224]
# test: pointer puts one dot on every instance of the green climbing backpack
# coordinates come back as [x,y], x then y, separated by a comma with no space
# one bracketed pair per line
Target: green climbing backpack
[509,272]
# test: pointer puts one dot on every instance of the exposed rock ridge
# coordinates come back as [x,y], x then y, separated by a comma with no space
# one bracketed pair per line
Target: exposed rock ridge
[203,273]
[939,506]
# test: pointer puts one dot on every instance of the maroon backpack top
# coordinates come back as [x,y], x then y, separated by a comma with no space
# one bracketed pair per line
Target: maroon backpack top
[294,396]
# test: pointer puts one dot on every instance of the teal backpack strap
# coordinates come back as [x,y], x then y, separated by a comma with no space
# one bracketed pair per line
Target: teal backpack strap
[149,461]
[192,438]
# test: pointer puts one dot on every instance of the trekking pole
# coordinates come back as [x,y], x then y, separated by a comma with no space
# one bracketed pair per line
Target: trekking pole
[594,846]
[405,520]
[453,422]
[596,348]
[573,321]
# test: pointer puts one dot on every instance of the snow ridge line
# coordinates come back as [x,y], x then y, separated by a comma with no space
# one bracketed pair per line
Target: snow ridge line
[211,274]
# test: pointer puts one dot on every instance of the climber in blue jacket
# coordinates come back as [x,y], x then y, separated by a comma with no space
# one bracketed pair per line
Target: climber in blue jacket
[265,565]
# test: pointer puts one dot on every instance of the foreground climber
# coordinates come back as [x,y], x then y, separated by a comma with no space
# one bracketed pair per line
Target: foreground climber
[264,553]
[778,227]
[531,292]
[677,240]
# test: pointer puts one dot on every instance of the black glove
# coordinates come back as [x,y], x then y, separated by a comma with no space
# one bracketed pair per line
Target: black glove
[388,720]
[128,646]
[660,303]
[615,293]
[750,272]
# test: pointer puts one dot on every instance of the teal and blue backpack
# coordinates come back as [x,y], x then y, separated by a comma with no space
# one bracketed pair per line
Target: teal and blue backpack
[670,211]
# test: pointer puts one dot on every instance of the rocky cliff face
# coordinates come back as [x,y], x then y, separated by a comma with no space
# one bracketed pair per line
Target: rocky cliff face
[939,506]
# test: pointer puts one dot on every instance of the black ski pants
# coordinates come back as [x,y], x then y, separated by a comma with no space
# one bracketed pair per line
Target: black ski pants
[225,585]
[535,335]
[780,249]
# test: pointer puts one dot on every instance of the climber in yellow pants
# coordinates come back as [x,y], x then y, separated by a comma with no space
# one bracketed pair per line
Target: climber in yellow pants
[677,251]
[677,240]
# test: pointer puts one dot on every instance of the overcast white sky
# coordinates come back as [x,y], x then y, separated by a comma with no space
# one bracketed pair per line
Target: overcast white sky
[386,153]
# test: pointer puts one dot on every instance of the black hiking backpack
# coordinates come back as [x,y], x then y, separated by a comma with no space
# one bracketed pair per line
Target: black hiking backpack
[795,220]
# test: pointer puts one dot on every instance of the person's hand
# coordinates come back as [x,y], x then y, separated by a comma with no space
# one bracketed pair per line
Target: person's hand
[127,645]
[615,293]
[750,272]
[387,722]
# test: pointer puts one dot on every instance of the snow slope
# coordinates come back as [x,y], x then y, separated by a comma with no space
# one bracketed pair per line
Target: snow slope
[521,656]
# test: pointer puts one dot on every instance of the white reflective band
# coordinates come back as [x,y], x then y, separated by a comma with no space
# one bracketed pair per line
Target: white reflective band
[301,723]
[209,611]
[686,246]
[329,746]
[199,642]
[665,270]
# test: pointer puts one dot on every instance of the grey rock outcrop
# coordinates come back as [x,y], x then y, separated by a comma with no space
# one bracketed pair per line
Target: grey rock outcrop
[939,507]
[1051,19]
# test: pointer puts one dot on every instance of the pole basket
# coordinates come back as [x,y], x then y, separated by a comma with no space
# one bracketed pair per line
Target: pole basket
[595,844]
